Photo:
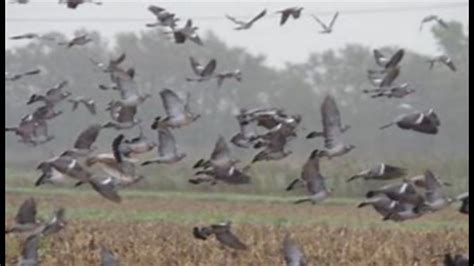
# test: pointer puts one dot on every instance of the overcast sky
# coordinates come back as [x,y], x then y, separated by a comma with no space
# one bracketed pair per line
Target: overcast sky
[372,23]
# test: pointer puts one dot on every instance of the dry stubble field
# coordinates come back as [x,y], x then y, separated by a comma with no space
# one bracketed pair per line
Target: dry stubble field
[156,230]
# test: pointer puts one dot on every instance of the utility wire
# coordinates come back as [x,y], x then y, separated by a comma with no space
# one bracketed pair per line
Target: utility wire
[272,15]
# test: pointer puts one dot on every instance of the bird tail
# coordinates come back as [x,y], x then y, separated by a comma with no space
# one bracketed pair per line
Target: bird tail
[199,163]
[387,125]
[314,134]
[150,162]
[353,178]
[293,184]
[10,129]
[302,201]
[370,91]
[41,180]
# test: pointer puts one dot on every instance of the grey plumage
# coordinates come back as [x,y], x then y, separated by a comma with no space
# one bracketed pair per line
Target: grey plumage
[88,137]
[426,122]
[203,72]
[223,234]
[29,251]
[436,18]
[294,12]
[292,253]
[326,28]
[332,129]
[87,102]
[380,171]
[442,59]
[167,150]
[245,25]
[178,112]
[107,258]
[314,182]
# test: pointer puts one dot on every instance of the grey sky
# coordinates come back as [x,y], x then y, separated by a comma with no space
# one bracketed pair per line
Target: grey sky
[293,42]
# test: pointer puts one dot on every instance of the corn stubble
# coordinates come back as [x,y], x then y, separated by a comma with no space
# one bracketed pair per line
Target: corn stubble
[162,243]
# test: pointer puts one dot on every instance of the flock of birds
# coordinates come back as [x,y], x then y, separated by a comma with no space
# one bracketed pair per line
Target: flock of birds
[265,129]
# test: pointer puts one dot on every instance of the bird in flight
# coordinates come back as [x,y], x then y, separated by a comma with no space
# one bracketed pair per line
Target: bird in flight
[326,28]
[245,25]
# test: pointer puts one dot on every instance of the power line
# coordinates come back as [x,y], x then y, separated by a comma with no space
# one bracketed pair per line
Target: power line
[321,13]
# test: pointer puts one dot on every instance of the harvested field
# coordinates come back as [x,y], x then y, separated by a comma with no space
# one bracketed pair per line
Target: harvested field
[156,230]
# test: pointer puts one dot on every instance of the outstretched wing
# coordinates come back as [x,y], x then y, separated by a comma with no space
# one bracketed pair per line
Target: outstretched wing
[259,16]
[395,59]
[284,17]
[88,137]
[379,58]
[227,238]
[156,10]
[234,20]
[319,21]
[167,143]
[209,69]
[331,119]
[174,106]
[197,68]
[333,20]
[27,212]
[221,152]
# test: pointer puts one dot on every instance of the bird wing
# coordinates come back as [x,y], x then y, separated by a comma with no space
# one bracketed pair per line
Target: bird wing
[87,137]
[432,182]
[379,58]
[167,143]
[239,22]
[106,190]
[331,120]
[197,68]
[310,169]
[32,72]
[394,170]
[118,60]
[319,22]
[395,59]
[209,69]
[331,24]
[389,77]
[284,17]
[447,61]
[259,16]
[29,250]
[116,148]
[174,106]
[156,10]
[27,212]
[227,238]
[316,183]
[90,105]
[221,153]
